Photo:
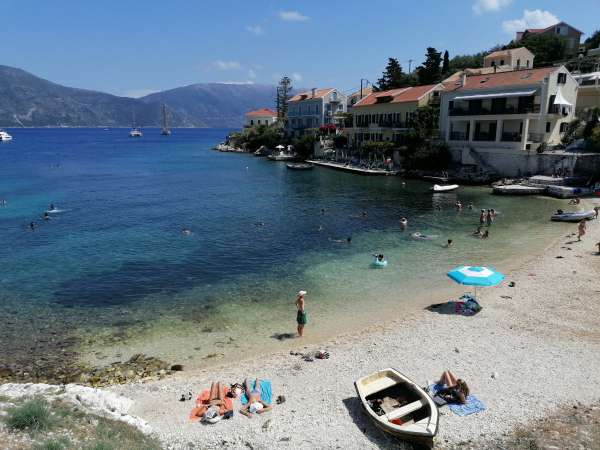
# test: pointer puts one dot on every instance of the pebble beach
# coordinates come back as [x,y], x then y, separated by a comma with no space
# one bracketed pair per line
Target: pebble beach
[532,349]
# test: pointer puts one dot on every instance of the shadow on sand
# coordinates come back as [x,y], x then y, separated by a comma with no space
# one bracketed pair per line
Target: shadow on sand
[374,434]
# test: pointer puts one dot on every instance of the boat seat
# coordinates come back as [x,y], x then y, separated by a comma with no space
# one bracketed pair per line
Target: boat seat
[405,410]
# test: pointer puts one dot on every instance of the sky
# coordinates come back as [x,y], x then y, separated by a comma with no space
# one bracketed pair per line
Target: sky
[132,48]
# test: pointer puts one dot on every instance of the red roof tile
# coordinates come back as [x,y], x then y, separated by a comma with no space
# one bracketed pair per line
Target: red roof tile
[261,112]
[308,95]
[402,95]
[503,79]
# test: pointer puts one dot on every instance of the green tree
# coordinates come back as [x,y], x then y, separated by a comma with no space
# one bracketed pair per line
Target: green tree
[429,72]
[547,48]
[574,132]
[283,93]
[424,124]
[304,145]
[593,143]
[461,62]
[393,77]
[593,41]
[446,64]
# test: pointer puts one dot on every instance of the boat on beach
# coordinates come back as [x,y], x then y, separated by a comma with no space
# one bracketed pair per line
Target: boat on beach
[398,406]
[4,136]
[299,166]
[443,187]
[573,216]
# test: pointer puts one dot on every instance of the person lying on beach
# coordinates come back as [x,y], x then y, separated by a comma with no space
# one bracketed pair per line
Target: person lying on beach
[215,404]
[255,403]
[455,390]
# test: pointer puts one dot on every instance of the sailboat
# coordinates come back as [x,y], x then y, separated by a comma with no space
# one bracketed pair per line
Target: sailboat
[165,128]
[135,131]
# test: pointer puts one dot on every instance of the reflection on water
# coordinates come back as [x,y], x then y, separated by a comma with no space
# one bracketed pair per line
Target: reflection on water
[115,270]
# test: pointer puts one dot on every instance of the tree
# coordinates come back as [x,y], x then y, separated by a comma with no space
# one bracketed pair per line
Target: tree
[304,146]
[393,77]
[283,92]
[429,72]
[547,48]
[446,64]
[461,62]
[593,41]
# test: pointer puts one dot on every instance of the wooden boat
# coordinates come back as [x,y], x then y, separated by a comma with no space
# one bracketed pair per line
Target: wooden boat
[573,216]
[443,187]
[299,166]
[399,406]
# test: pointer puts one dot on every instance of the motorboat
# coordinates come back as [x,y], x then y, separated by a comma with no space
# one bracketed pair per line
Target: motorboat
[281,156]
[443,187]
[4,136]
[562,216]
[299,166]
[135,132]
[398,406]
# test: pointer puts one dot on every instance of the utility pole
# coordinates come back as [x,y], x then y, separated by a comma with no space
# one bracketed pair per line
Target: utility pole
[361,86]
[410,61]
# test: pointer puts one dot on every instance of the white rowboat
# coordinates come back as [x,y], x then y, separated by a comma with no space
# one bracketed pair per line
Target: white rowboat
[573,216]
[444,187]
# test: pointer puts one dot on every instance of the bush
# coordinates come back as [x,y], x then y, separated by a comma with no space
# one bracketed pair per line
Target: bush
[61,444]
[574,132]
[33,415]
[428,157]
[593,143]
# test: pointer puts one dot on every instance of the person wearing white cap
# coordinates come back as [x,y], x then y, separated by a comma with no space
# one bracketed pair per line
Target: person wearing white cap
[301,317]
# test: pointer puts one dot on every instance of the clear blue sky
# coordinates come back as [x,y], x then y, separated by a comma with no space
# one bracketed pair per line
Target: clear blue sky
[131,47]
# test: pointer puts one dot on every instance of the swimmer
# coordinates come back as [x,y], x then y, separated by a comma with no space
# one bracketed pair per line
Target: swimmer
[470,205]
[458,205]
[260,224]
[485,235]
[51,208]
[482,217]
[320,227]
[32,226]
[3,203]
[488,217]
[348,240]
[478,232]
[403,223]
[46,216]
[449,243]
[186,231]
[322,210]
[493,213]
[364,214]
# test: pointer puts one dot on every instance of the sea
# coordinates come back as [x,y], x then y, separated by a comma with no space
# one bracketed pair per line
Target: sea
[111,273]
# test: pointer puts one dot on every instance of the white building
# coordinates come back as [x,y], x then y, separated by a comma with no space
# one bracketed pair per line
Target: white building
[588,95]
[510,59]
[507,112]
[313,109]
[263,116]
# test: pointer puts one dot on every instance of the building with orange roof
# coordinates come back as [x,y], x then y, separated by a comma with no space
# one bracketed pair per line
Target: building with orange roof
[514,111]
[262,116]
[571,35]
[313,109]
[386,115]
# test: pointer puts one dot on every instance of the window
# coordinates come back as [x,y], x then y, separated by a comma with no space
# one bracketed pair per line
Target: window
[518,63]
[562,78]
[493,63]
[557,30]
[501,62]
[548,124]
[551,108]
[527,63]
[252,122]
[563,127]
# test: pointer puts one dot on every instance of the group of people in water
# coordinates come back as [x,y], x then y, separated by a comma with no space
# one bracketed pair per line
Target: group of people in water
[46,217]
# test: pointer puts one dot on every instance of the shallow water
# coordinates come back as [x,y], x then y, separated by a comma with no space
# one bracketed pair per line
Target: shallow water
[114,270]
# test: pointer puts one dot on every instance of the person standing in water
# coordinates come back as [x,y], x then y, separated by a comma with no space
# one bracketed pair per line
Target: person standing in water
[301,317]
[482,217]
[581,230]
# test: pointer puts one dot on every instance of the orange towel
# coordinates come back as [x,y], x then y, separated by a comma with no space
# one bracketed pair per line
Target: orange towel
[203,401]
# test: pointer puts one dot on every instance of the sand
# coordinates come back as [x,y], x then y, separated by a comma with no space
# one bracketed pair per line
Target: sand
[533,348]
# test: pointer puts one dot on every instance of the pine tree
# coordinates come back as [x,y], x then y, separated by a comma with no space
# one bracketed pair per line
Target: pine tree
[393,77]
[446,63]
[283,91]
[429,72]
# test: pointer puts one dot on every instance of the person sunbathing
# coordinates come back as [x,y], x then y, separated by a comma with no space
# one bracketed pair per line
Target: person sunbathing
[456,390]
[255,403]
[216,402]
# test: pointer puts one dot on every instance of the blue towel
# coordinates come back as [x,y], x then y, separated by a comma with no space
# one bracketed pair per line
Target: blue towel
[472,406]
[266,392]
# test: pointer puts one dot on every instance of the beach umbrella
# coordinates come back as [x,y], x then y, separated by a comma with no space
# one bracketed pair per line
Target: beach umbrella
[280,147]
[476,276]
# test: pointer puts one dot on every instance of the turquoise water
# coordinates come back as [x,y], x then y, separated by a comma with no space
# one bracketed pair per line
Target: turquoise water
[112,273]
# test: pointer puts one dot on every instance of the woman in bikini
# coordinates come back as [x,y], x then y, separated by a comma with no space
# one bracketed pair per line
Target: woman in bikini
[255,403]
[456,390]
[216,400]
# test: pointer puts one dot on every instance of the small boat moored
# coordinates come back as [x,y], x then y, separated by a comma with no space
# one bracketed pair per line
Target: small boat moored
[398,406]
[562,216]
[443,187]
[299,166]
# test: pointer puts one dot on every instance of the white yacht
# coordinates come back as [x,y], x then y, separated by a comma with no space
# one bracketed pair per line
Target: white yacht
[4,136]
[135,132]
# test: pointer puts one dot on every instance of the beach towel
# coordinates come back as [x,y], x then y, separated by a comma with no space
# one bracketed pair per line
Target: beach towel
[203,400]
[473,404]
[266,393]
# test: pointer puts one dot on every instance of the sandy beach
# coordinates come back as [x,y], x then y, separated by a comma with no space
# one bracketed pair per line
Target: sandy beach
[533,348]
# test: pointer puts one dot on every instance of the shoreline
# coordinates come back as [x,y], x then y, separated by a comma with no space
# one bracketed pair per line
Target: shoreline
[541,333]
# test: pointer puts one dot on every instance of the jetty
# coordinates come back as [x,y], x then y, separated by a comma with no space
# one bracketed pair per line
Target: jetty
[352,169]
[559,187]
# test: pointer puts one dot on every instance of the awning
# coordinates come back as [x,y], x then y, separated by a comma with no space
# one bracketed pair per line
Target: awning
[496,95]
[560,100]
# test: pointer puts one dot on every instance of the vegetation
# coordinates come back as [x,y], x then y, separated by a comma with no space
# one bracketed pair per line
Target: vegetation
[587,128]
[547,48]
[33,415]
[427,156]
[304,145]
[593,41]
[283,93]
[461,62]
[393,77]
[340,141]
[253,137]
[446,64]
[430,71]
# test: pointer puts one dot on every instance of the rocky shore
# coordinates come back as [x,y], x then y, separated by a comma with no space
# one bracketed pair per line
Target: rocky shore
[532,350]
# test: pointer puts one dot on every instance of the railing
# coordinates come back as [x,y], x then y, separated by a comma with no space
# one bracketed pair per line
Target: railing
[494,111]
[482,136]
[511,137]
[535,137]
[383,124]
[458,136]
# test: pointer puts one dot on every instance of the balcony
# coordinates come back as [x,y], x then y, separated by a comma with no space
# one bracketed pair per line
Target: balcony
[458,136]
[535,137]
[383,124]
[511,137]
[483,136]
[494,111]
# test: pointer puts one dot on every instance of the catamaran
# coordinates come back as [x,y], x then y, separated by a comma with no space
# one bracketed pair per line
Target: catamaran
[165,131]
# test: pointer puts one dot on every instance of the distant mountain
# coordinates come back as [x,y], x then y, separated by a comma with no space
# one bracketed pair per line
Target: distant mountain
[30,101]
[215,104]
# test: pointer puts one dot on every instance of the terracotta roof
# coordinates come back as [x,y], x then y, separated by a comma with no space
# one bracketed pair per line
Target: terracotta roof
[402,95]
[261,113]
[541,30]
[319,93]
[503,79]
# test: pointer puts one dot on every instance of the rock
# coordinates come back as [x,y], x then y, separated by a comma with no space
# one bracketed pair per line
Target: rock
[495,375]
[176,367]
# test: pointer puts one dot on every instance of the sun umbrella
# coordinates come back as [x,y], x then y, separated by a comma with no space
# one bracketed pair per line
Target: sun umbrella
[280,146]
[476,276]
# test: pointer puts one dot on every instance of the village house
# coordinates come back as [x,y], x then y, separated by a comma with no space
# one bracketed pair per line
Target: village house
[313,109]
[588,95]
[571,34]
[263,116]
[510,59]
[386,115]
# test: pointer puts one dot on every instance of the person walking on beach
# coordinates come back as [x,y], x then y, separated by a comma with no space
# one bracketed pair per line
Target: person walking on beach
[596,209]
[301,316]
[581,229]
